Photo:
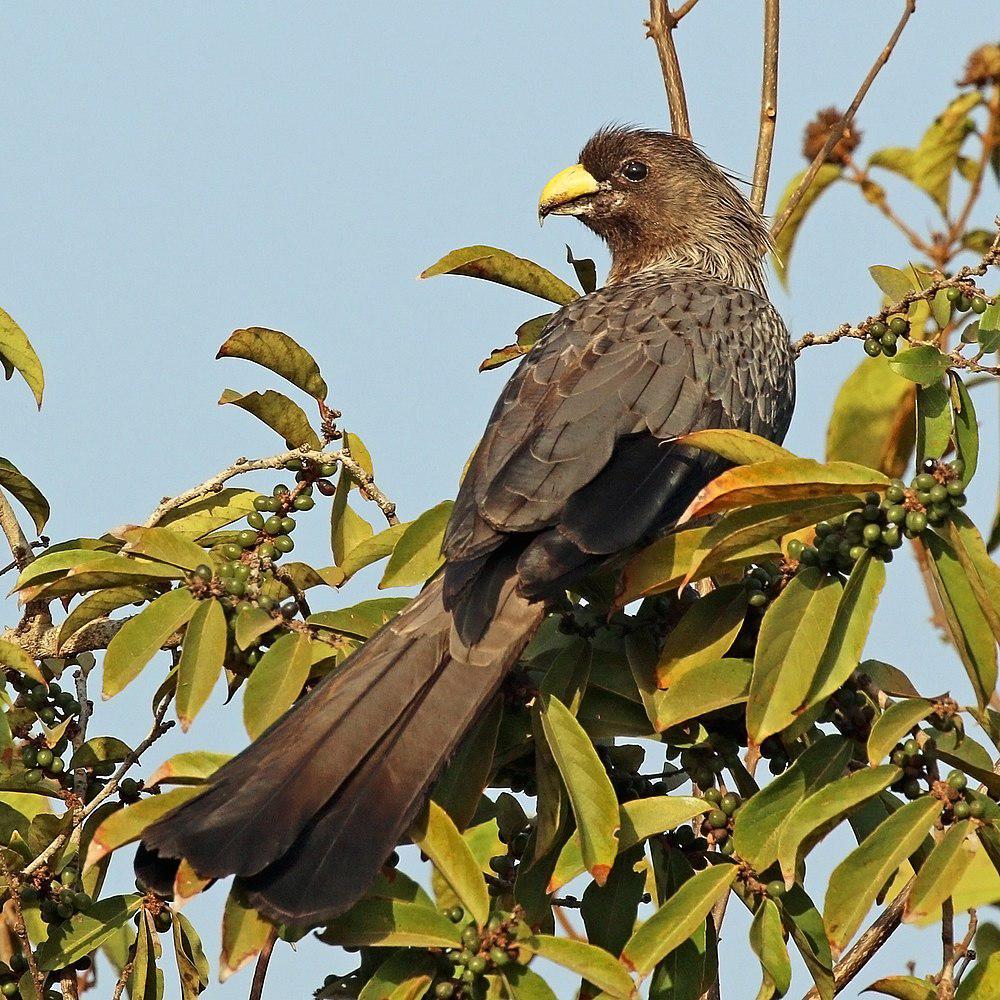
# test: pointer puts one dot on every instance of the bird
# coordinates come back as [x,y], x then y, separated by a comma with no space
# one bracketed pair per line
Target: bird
[578,466]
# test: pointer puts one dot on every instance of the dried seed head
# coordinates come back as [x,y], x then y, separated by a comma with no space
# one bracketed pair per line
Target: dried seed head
[818,130]
[983,66]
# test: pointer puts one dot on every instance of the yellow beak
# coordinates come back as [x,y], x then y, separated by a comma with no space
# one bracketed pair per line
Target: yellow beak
[568,185]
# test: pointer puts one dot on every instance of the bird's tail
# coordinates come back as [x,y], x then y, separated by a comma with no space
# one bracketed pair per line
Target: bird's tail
[308,814]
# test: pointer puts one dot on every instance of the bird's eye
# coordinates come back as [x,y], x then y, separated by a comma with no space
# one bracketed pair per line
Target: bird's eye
[635,171]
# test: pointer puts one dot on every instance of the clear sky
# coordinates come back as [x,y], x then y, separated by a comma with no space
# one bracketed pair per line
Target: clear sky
[173,171]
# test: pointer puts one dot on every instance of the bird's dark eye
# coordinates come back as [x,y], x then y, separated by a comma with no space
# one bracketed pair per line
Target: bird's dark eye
[635,171]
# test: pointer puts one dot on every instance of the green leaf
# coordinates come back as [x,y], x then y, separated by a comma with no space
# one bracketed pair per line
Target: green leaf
[438,837]
[850,629]
[523,984]
[665,564]
[857,880]
[707,688]
[593,964]
[933,421]
[244,934]
[251,624]
[348,529]
[202,654]
[793,637]
[758,823]
[895,284]
[784,479]
[146,980]
[27,494]
[404,975]
[164,546]
[279,413]
[526,335]
[595,805]
[739,531]
[704,633]
[941,872]
[276,682]
[504,268]
[586,271]
[825,176]
[609,911]
[51,565]
[17,353]
[142,637]
[417,554]
[107,570]
[361,620]
[100,750]
[86,931]
[966,428]
[983,979]
[736,446]
[371,550]
[922,363]
[893,724]
[970,631]
[278,352]
[982,572]
[876,398]
[391,923]
[903,988]
[192,966]
[209,513]
[126,825]
[935,159]
[189,768]
[675,921]
[815,816]
[806,929]
[99,605]
[768,943]
[639,820]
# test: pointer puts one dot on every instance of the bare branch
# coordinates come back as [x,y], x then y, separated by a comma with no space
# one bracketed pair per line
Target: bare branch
[260,971]
[20,547]
[660,28]
[242,465]
[946,981]
[768,105]
[838,130]
[868,944]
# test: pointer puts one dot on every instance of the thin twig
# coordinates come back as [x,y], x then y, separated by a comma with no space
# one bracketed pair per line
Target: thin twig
[868,944]
[242,465]
[14,881]
[838,130]
[964,949]
[946,981]
[991,139]
[260,972]
[768,105]
[123,979]
[861,178]
[660,28]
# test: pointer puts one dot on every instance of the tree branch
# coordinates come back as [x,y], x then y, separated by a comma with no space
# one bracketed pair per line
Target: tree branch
[660,28]
[20,547]
[768,105]
[868,944]
[838,130]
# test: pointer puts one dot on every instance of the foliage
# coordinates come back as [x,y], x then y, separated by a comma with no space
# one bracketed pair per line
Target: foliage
[625,760]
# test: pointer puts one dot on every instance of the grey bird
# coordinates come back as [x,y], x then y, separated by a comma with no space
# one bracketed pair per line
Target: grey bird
[578,466]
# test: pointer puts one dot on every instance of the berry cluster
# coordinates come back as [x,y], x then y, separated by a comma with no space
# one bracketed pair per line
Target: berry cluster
[966,299]
[622,763]
[917,765]
[12,971]
[851,711]
[774,752]
[763,583]
[717,823]
[58,897]
[960,802]
[52,707]
[705,762]
[882,524]
[881,337]
[481,952]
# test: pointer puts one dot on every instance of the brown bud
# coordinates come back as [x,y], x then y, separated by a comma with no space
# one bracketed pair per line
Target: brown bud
[983,66]
[819,129]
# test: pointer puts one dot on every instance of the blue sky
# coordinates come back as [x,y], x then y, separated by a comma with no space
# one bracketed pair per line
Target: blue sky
[174,171]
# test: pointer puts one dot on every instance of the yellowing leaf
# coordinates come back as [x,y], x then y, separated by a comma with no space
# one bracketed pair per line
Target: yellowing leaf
[17,352]
[126,825]
[279,413]
[244,934]
[278,352]
[164,545]
[417,554]
[591,963]
[506,269]
[202,653]
[140,638]
[736,446]
[942,871]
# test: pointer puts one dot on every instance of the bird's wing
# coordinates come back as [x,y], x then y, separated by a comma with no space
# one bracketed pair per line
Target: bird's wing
[615,373]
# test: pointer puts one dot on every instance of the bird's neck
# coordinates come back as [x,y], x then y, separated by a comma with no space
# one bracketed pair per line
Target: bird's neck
[730,248]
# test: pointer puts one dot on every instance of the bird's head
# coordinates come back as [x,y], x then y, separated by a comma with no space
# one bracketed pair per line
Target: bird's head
[658,201]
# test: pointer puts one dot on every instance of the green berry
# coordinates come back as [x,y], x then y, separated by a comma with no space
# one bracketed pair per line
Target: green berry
[162,921]
[32,776]
[899,326]
[443,991]
[231,551]
[872,534]
[795,547]
[775,889]
[499,957]
[294,465]
[261,503]
[916,521]
[977,809]
[957,780]
[273,525]
[717,819]
[29,756]
[470,936]
[255,520]
[57,766]
[328,469]
[911,788]
[478,965]
[204,572]
[877,328]
[267,551]
[961,810]
[963,303]
[925,481]
[889,350]
[938,493]
[455,914]
[757,599]
[279,490]
[952,294]
[979,304]
[287,525]
[283,543]
[247,538]
[730,803]
[891,536]
[303,502]
[44,757]
[856,552]
[10,989]
[872,347]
